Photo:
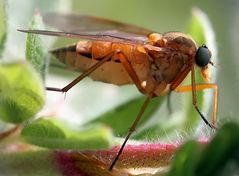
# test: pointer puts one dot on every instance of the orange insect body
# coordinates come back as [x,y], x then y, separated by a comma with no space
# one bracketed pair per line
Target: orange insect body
[157,63]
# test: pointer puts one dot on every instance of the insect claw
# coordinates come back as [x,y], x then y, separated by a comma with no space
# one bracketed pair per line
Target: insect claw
[213,127]
[55,89]
[64,95]
[64,90]
[205,120]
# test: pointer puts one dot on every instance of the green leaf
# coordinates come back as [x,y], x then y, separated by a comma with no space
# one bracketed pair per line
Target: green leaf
[36,51]
[185,160]
[51,133]
[196,29]
[21,92]
[219,157]
[16,19]
[122,117]
[221,153]
[3,34]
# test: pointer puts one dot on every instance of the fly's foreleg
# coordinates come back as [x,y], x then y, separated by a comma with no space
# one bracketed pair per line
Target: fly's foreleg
[215,95]
[196,87]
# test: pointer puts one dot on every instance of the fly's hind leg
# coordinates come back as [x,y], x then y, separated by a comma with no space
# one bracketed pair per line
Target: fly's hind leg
[83,75]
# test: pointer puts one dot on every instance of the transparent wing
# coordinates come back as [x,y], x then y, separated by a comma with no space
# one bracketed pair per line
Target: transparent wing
[100,36]
[92,28]
[77,23]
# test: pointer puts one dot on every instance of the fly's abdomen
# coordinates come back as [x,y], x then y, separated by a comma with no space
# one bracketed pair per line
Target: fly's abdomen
[85,54]
[63,54]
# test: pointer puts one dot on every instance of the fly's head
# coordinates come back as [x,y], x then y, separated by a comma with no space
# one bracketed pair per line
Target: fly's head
[184,44]
[203,59]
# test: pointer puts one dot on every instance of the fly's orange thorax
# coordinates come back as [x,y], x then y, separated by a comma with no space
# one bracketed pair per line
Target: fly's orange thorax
[170,54]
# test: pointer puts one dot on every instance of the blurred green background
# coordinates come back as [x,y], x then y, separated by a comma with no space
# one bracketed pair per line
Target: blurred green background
[88,100]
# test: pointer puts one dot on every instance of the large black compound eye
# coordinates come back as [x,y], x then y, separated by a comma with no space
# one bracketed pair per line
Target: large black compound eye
[203,55]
